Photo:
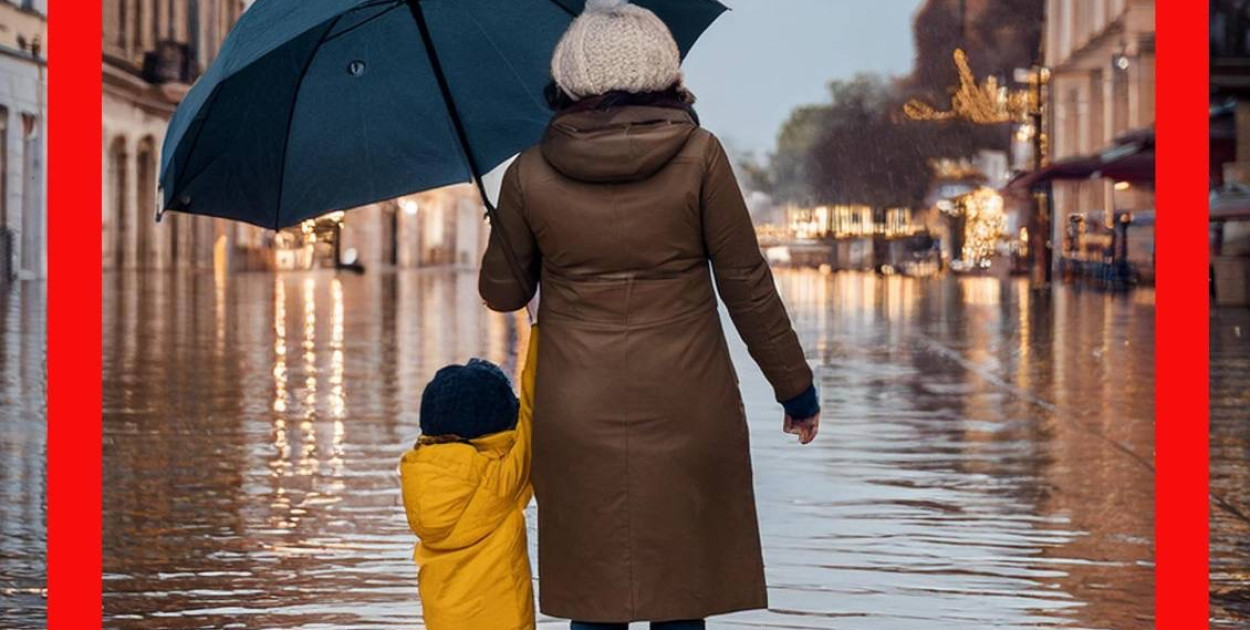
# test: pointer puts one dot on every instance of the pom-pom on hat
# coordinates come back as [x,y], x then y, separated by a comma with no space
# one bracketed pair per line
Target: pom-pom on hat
[468,401]
[615,46]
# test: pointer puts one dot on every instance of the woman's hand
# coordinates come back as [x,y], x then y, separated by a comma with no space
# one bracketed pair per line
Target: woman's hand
[806,428]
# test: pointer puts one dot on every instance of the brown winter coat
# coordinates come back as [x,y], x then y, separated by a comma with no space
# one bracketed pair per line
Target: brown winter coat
[641,468]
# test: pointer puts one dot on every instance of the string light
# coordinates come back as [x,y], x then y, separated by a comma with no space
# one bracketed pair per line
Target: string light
[984,104]
[984,224]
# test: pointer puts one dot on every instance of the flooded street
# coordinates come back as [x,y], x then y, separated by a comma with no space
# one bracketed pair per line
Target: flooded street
[23,451]
[984,460]
[1230,467]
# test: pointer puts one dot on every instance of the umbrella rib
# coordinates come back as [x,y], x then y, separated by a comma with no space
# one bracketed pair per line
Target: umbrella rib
[462,135]
[182,180]
[366,21]
[290,121]
[564,8]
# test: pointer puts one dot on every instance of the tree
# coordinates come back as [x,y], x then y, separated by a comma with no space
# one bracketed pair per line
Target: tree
[789,165]
[862,155]
[857,149]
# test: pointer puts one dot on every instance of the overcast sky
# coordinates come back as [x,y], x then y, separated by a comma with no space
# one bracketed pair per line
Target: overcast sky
[763,57]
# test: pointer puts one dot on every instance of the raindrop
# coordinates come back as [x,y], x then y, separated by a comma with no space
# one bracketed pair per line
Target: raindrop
[356,68]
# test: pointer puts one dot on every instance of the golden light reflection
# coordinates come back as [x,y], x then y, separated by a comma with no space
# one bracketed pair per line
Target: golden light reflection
[307,463]
[219,310]
[982,291]
[1024,346]
[309,346]
[338,403]
[280,397]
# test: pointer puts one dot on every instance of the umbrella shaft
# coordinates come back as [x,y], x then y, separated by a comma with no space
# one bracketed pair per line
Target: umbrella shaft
[462,136]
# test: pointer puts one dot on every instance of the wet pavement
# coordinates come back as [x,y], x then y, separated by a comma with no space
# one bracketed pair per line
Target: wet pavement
[23,451]
[1230,467]
[984,460]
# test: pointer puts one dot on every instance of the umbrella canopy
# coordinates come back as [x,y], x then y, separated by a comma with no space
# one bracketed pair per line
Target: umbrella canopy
[320,105]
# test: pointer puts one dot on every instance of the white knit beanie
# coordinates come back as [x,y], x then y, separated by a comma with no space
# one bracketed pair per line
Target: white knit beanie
[614,45]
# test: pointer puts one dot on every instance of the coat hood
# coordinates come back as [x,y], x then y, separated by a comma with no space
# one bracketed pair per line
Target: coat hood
[619,144]
[442,496]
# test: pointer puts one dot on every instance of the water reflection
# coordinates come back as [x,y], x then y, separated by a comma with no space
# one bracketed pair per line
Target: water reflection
[23,451]
[1230,468]
[985,459]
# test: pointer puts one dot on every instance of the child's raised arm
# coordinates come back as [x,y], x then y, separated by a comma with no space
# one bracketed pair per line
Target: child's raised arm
[515,470]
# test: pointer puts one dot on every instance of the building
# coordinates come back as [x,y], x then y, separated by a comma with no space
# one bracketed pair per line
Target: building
[1230,152]
[23,144]
[1101,112]
[154,50]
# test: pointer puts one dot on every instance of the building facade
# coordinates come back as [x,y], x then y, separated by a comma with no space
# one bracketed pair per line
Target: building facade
[23,144]
[1101,58]
[154,50]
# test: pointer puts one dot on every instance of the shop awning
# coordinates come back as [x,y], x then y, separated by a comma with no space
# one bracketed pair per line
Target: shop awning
[1230,203]
[1130,159]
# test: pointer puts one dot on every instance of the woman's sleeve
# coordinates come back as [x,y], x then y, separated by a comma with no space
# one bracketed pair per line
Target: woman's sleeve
[745,282]
[504,287]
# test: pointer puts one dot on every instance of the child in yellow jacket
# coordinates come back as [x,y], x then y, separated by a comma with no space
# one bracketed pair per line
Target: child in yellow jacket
[466,484]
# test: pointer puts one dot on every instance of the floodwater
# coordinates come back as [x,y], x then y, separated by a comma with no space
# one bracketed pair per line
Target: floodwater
[1230,468]
[984,460]
[23,451]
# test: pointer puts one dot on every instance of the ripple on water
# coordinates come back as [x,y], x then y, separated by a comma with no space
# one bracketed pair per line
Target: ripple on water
[976,466]
[23,452]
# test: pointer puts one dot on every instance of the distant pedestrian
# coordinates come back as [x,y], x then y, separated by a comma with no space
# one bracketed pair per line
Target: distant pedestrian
[466,484]
[627,213]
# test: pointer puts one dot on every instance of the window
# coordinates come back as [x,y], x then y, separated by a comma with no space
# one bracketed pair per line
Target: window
[4,172]
[137,32]
[32,206]
[121,24]
[116,246]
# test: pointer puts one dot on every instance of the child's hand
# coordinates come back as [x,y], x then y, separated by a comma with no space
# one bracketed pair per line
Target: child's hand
[806,428]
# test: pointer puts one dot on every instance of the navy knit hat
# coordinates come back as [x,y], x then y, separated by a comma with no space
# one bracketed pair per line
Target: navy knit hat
[468,401]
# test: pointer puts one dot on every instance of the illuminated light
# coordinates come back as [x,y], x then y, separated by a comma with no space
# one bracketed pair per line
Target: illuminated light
[984,226]
[1122,185]
[410,207]
[1122,62]
[985,103]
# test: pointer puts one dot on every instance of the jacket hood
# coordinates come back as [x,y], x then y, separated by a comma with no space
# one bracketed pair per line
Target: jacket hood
[441,491]
[620,144]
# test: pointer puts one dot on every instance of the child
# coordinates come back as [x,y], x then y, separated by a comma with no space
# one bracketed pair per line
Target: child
[466,484]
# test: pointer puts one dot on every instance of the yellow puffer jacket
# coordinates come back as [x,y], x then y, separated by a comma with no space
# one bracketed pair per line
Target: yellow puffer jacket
[466,502]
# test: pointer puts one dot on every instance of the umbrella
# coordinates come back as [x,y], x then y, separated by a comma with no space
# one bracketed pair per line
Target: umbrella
[320,105]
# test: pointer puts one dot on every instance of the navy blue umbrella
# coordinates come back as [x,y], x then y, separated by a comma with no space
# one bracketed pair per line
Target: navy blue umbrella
[320,105]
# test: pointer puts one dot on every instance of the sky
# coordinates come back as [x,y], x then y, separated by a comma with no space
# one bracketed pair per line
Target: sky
[763,58]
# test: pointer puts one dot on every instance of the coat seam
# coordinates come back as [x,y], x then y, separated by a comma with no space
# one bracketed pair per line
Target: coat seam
[629,509]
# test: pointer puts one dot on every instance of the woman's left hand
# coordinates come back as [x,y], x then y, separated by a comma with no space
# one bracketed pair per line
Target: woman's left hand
[806,428]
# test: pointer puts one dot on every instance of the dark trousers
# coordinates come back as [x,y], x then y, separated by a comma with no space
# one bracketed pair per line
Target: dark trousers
[694,624]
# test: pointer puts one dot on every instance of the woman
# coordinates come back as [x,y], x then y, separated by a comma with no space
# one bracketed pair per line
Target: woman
[641,466]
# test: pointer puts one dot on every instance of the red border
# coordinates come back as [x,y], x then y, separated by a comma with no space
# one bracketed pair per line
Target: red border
[1182,342]
[74,351]
[74,279]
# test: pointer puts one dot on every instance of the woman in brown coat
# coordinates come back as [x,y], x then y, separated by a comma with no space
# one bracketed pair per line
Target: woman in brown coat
[642,470]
